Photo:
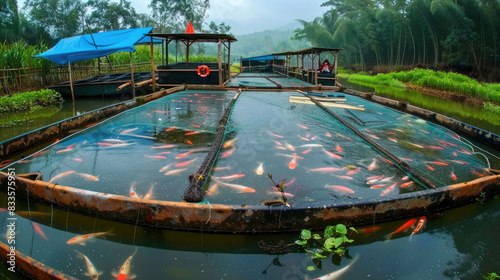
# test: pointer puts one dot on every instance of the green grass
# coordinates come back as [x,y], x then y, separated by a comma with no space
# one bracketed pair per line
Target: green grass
[29,100]
[235,67]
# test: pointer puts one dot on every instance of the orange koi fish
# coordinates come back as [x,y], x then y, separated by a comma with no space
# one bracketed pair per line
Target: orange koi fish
[302,126]
[386,160]
[303,138]
[437,163]
[229,177]
[338,148]
[124,272]
[88,177]
[404,227]
[308,135]
[314,137]
[389,190]
[453,176]
[185,163]
[306,151]
[175,171]
[373,136]
[332,155]
[228,152]
[230,143]
[435,147]
[239,188]
[476,173]
[221,168]
[328,134]
[166,167]
[168,146]
[195,125]
[155,157]
[189,142]
[188,153]
[105,144]
[39,231]
[289,183]
[430,167]
[275,135]
[83,239]
[77,159]
[293,163]
[340,189]
[62,175]
[377,186]
[91,270]
[69,148]
[420,225]
[407,184]
[277,143]
[343,177]
[369,230]
[192,133]
[212,189]
[128,130]
[170,129]
[352,172]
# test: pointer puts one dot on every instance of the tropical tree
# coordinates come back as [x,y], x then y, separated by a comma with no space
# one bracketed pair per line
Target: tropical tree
[106,15]
[9,20]
[174,15]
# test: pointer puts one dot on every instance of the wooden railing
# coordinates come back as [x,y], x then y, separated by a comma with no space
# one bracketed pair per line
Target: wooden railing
[35,78]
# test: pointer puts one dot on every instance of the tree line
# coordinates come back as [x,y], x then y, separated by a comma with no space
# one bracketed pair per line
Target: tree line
[51,20]
[396,33]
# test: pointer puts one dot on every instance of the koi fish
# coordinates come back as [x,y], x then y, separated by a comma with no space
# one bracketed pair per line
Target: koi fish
[239,188]
[453,176]
[161,111]
[308,135]
[192,133]
[168,146]
[459,161]
[155,157]
[260,169]
[62,175]
[69,148]
[435,147]
[39,231]
[170,129]
[343,177]
[185,163]
[175,171]
[476,173]
[420,225]
[323,169]
[393,139]
[275,135]
[389,190]
[332,155]
[306,151]
[91,270]
[149,194]
[302,126]
[212,189]
[438,163]
[83,239]
[221,168]
[377,186]
[416,145]
[228,152]
[338,148]
[77,159]
[88,177]
[310,145]
[373,165]
[279,193]
[314,137]
[188,153]
[229,177]
[128,130]
[133,193]
[338,273]
[189,142]
[430,167]
[289,147]
[303,138]
[352,172]
[112,140]
[165,168]
[374,179]
[407,184]
[277,143]
[124,272]
[340,189]
[388,178]
[289,183]
[373,136]
[293,163]
[230,143]
[369,230]
[195,125]
[404,227]
[328,134]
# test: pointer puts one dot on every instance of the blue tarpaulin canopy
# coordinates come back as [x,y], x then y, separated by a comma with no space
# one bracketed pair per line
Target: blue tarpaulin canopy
[82,47]
[259,58]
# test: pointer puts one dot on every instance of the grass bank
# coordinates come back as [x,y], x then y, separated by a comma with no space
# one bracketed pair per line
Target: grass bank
[30,100]
[436,80]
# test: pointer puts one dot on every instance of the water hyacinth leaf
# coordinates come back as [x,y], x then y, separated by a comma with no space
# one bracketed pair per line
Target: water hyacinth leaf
[301,242]
[353,229]
[329,231]
[310,268]
[338,241]
[305,234]
[316,236]
[329,243]
[340,228]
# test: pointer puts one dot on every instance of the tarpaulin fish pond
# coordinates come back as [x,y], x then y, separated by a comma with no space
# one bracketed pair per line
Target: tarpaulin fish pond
[136,166]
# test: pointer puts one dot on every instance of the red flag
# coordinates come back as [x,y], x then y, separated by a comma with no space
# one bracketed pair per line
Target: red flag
[189,29]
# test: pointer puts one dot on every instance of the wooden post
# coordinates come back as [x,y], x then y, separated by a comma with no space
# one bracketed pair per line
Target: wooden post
[71,87]
[187,52]
[163,52]
[219,59]
[335,65]
[132,75]
[228,61]
[152,65]
[166,50]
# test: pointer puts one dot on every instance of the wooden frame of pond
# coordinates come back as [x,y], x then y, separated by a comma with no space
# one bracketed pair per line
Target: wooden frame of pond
[243,219]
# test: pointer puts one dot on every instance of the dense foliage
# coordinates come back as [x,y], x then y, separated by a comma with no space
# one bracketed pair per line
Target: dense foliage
[28,100]
[461,33]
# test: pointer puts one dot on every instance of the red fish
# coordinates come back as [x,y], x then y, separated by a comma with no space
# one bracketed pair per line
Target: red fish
[189,142]
[453,176]
[306,151]
[124,272]
[328,134]
[476,173]
[404,227]
[430,167]
[228,152]
[293,163]
[39,231]
[438,163]
[338,148]
[185,163]
[155,157]
[420,225]
[352,172]
[195,125]
[377,186]
[407,184]
[389,190]
[187,153]
[170,129]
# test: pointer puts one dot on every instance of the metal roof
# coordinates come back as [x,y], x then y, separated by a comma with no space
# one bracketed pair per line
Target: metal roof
[194,37]
[308,51]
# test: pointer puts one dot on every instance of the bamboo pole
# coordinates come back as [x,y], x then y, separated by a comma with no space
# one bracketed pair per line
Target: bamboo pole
[132,75]
[219,59]
[152,65]
[71,87]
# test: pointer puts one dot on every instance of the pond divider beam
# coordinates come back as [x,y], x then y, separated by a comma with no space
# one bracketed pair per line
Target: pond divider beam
[402,164]
[194,192]
[29,267]
[456,126]
[61,129]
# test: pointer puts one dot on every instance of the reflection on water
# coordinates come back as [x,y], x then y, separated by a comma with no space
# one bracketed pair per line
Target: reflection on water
[464,112]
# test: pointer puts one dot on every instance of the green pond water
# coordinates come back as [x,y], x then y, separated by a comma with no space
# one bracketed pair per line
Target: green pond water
[460,243]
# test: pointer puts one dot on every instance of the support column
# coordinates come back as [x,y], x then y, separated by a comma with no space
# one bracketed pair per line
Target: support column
[219,59]
[152,65]
[132,76]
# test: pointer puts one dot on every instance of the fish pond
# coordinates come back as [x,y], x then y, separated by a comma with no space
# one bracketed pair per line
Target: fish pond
[149,151]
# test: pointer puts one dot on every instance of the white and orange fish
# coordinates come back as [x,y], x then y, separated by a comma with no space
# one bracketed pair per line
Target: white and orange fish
[128,130]
[229,177]
[373,165]
[293,163]
[239,188]
[62,175]
[188,153]
[453,176]
[175,171]
[168,146]
[39,231]
[389,190]
[260,169]
[407,184]
[213,189]
[185,163]
[289,147]
[340,189]
[149,194]
[352,172]
[133,193]
[229,143]
[275,135]
[324,169]
[338,273]
[166,167]
[87,177]
[69,148]
[83,239]
[277,193]
[91,270]
[124,273]
[302,126]
[420,226]
[228,152]
[332,155]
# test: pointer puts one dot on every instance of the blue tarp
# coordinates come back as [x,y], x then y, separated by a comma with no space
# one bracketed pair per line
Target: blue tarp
[82,47]
[260,58]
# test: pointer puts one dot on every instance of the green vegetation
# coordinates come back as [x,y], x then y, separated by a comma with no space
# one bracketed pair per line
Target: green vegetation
[334,241]
[19,55]
[452,82]
[16,118]
[492,108]
[235,67]
[29,100]
[491,276]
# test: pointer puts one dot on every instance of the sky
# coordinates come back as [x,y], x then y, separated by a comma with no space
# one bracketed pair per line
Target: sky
[248,16]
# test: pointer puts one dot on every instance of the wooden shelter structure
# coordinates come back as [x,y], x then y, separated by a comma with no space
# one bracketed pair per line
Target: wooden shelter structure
[188,72]
[306,65]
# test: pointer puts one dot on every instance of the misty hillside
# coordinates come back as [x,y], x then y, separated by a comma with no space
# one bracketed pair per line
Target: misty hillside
[262,43]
